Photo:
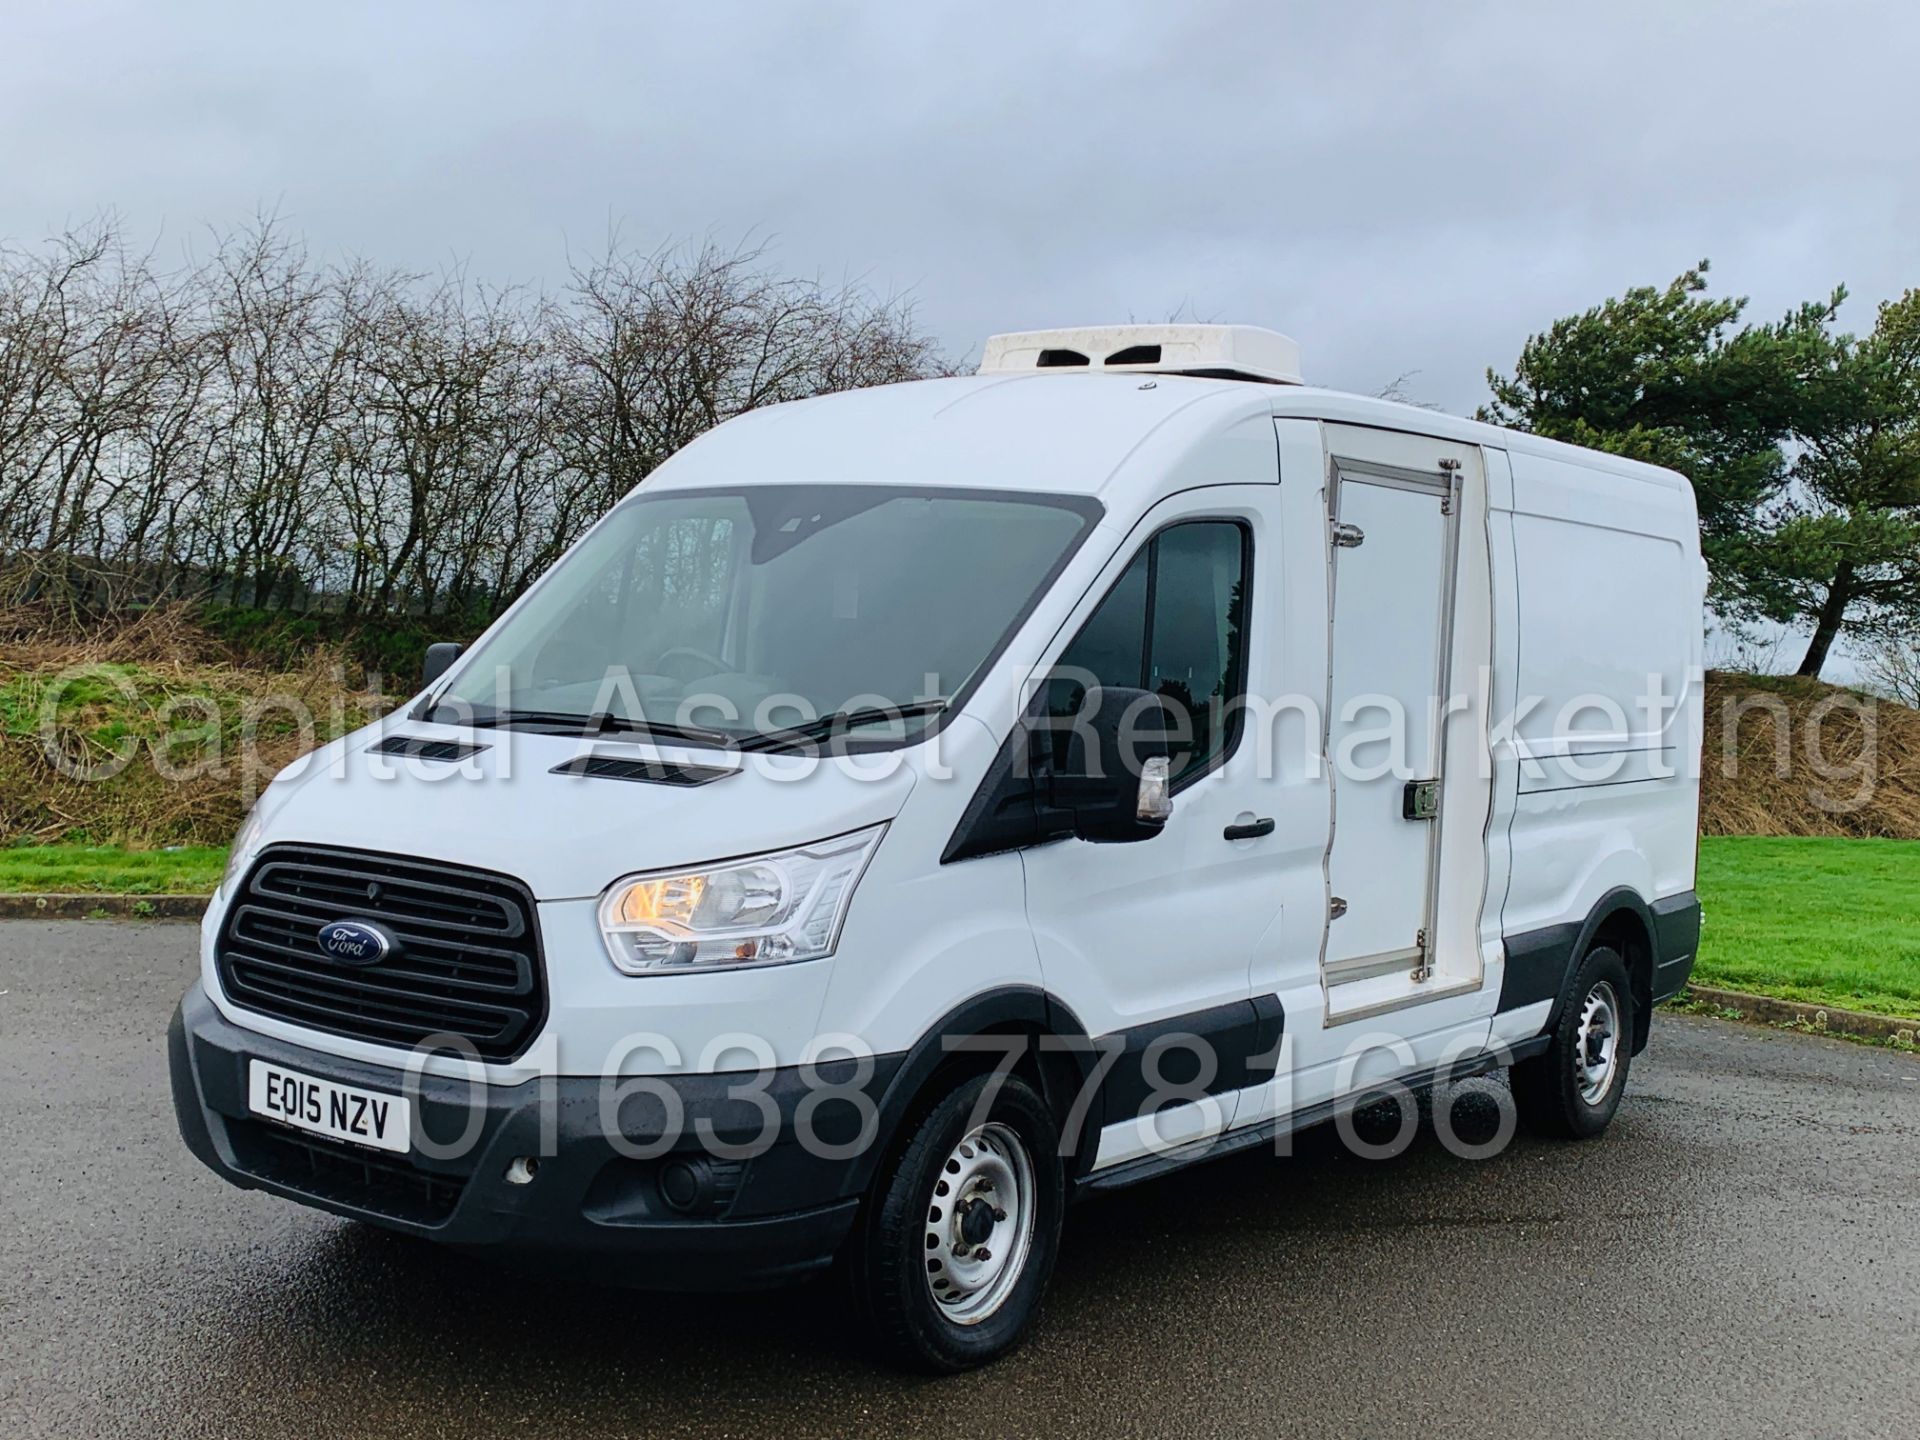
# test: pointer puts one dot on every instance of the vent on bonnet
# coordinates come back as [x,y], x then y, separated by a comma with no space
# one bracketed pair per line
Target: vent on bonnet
[650,772]
[419,747]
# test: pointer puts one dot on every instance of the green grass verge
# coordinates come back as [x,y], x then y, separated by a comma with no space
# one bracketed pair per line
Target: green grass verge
[1829,922]
[104,870]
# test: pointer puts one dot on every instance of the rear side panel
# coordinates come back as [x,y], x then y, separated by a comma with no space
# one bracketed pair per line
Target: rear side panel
[1607,586]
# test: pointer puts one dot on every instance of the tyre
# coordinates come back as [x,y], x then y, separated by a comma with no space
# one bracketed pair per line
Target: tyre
[959,1234]
[1571,1090]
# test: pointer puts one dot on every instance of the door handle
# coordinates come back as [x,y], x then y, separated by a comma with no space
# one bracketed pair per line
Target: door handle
[1252,831]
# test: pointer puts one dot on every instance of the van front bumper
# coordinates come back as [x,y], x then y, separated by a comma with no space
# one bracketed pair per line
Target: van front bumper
[691,1217]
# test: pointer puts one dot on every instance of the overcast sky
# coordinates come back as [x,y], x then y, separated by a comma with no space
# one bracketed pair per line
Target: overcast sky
[1403,187]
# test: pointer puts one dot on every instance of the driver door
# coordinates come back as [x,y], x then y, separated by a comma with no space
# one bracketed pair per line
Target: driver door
[1152,943]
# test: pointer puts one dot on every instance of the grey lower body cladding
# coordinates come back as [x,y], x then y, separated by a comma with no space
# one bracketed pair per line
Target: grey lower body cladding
[1540,962]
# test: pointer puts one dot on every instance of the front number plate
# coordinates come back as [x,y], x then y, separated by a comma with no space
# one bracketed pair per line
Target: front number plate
[321,1107]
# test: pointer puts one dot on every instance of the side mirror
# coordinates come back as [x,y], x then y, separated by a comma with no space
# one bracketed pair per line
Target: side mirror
[1115,784]
[439,658]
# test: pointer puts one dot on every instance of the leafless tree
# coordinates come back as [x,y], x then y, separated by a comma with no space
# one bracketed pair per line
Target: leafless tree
[1892,668]
[661,347]
[257,429]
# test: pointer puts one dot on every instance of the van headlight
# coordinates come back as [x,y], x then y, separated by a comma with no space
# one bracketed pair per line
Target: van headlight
[763,910]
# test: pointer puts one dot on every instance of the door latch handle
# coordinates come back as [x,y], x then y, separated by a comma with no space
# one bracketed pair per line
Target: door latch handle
[1336,907]
[1252,831]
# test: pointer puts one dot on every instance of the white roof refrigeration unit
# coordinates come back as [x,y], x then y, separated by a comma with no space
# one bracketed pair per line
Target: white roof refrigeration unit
[1225,352]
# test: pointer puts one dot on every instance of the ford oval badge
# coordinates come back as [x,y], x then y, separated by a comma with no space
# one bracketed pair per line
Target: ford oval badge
[355,942]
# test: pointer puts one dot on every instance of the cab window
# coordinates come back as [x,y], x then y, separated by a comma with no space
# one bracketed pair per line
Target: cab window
[1174,624]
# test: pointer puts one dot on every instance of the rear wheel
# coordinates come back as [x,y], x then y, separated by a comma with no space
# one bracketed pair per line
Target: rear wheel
[1571,1090]
[959,1235]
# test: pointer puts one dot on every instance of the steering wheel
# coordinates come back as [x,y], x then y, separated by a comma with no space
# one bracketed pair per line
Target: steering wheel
[713,664]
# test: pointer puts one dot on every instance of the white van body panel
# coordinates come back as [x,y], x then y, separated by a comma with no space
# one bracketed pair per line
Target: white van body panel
[495,809]
[940,934]
[1526,843]
[1608,788]
[1079,434]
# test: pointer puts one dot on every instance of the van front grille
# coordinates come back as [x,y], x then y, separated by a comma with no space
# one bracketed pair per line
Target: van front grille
[466,958]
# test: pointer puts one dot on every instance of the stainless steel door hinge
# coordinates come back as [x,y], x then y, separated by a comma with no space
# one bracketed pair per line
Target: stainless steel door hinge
[1348,537]
[1424,969]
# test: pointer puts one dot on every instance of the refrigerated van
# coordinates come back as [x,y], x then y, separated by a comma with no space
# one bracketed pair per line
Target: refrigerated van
[916,808]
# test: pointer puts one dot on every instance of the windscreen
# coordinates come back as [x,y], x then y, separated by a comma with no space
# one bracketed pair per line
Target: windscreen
[747,612]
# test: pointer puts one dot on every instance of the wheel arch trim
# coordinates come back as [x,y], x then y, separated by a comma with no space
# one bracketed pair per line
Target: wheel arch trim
[1006,1010]
[1541,964]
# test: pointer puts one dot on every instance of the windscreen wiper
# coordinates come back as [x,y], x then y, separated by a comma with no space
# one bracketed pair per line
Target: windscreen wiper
[841,720]
[601,722]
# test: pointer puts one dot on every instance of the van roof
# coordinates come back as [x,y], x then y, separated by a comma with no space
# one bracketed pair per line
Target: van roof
[1045,432]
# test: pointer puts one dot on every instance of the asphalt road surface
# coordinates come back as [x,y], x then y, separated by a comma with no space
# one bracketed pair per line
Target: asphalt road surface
[1740,1255]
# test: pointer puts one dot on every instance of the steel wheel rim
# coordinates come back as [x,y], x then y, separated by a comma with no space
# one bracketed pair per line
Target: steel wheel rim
[1596,1050]
[979,1224]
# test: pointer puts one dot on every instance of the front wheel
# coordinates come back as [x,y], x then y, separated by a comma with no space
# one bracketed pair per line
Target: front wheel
[959,1235]
[1571,1090]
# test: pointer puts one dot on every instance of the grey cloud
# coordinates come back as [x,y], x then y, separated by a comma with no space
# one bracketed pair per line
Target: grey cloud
[1404,187]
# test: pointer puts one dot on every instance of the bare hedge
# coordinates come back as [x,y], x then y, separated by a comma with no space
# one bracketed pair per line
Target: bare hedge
[262,430]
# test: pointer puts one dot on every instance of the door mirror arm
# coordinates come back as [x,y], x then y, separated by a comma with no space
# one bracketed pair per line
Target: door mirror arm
[1108,790]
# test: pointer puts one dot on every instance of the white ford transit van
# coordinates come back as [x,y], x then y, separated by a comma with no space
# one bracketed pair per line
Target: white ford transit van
[917,808]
